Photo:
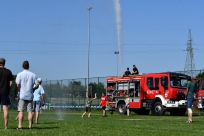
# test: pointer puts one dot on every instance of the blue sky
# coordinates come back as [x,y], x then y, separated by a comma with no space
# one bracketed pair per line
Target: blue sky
[53,36]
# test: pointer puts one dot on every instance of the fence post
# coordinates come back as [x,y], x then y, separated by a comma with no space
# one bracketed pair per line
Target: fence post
[61,94]
[50,93]
[49,104]
[68,92]
[84,96]
[98,90]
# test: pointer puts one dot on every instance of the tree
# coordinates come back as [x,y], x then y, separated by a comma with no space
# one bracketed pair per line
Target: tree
[97,88]
[200,75]
[76,89]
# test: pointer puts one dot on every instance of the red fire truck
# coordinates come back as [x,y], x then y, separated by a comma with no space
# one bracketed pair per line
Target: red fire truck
[155,92]
[199,95]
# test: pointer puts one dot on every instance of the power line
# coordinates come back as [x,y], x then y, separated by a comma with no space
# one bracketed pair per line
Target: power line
[85,52]
[61,43]
[74,25]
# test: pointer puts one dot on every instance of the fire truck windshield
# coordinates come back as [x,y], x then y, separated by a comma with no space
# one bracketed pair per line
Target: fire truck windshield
[178,81]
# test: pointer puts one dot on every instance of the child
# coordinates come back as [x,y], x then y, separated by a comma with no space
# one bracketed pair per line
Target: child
[104,103]
[127,101]
[88,104]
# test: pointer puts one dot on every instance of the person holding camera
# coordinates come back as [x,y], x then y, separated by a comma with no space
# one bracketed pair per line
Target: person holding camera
[38,101]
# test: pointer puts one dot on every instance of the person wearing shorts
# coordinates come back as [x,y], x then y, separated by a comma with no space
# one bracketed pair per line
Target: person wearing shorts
[189,96]
[6,81]
[38,101]
[88,104]
[25,81]
[104,103]
[127,106]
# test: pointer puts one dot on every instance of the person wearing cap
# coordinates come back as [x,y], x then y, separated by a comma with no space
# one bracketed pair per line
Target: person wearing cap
[25,81]
[135,70]
[38,100]
[127,72]
[6,81]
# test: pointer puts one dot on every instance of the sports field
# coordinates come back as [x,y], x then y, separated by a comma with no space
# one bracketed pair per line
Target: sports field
[70,123]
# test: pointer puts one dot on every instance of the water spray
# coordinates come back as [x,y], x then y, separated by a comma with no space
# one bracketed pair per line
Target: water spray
[60,115]
[118,22]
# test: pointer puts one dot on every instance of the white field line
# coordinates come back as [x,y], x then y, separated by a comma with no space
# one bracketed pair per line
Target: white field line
[141,119]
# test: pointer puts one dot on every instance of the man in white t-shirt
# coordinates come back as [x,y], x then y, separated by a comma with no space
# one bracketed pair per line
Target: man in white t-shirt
[25,81]
[38,100]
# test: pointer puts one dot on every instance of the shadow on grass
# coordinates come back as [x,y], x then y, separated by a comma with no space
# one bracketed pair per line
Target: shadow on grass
[47,123]
[35,128]
[46,127]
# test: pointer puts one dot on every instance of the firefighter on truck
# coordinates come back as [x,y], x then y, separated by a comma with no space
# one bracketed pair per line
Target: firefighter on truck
[155,92]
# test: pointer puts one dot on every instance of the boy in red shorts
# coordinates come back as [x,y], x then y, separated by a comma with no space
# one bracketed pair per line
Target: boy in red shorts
[104,103]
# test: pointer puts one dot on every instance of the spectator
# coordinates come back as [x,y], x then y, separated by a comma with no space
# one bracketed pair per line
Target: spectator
[127,72]
[127,101]
[135,70]
[25,81]
[38,101]
[88,104]
[6,81]
[190,96]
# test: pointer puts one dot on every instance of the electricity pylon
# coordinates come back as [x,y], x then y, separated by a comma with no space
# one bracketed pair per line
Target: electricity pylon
[189,68]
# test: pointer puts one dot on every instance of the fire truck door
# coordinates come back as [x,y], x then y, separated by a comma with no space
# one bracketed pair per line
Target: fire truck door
[152,87]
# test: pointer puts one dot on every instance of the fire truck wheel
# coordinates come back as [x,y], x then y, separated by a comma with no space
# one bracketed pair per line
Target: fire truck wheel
[157,109]
[121,108]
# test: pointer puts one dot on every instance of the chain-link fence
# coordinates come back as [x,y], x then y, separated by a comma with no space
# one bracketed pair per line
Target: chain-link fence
[71,92]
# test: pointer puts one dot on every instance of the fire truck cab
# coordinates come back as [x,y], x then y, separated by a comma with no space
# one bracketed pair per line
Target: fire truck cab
[199,95]
[155,92]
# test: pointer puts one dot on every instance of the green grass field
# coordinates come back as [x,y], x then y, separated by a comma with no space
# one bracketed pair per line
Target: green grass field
[63,123]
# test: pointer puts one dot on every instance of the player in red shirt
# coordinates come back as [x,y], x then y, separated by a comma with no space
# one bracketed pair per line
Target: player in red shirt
[104,103]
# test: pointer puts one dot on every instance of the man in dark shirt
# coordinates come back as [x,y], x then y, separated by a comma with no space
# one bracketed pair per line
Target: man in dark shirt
[135,70]
[190,96]
[6,80]
[127,72]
